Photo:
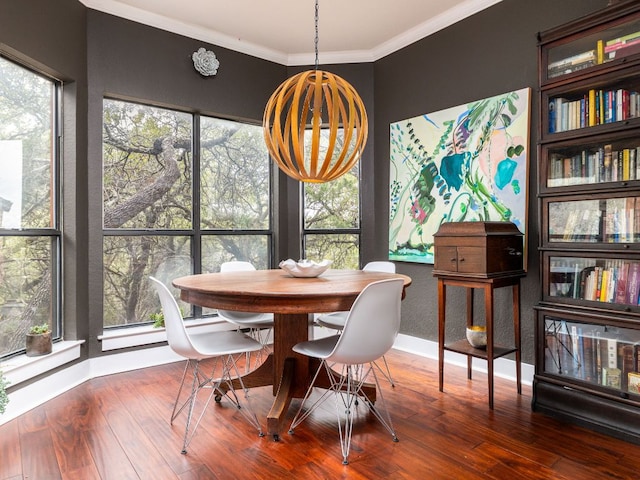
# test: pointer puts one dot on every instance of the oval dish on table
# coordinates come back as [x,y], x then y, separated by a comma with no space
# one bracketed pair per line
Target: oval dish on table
[305,268]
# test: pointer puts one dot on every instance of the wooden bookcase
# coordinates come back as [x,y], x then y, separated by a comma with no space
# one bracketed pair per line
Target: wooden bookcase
[588,319]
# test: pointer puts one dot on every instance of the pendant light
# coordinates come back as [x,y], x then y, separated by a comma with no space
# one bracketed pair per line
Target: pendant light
[315,124]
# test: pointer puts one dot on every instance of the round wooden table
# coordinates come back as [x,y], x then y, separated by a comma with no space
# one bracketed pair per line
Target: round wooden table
[292,301]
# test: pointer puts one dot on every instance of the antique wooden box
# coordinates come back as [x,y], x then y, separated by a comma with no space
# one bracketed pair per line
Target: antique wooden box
[478,249]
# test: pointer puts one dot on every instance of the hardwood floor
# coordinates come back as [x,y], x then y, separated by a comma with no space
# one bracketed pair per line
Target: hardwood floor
[117,427]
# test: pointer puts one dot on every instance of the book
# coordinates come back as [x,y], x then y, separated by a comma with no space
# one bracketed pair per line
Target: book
[624,51]
[576,342]
[633,287]
[604,286]
[608,161]
[626,362]
[592,107]
[612,47]
[583,288]
[621,285]
[599,52]
[598,354]
[611,377]
[623,39]
[589,360]
[626,165]
[559,106]
[633,382]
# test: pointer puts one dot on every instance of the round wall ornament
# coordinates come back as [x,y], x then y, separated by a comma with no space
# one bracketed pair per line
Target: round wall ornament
[205,62]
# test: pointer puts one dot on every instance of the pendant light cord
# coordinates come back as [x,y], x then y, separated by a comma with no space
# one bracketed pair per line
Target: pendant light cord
[316,39]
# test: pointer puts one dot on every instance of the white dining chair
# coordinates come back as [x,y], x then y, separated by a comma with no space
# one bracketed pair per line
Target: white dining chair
[222,347]
[369,331]
[336,320]
[260,325]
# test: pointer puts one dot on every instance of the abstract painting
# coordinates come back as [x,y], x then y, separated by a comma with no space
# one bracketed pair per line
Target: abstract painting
[462,164]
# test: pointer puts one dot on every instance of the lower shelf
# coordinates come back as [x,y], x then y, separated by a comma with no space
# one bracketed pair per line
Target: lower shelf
[604,415]
[462,346]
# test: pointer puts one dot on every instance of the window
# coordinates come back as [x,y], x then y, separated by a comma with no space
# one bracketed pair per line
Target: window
[30,236]
[331,220]
[182,193]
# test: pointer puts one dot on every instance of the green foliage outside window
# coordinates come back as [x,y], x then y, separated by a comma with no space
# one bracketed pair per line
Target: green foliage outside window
[332,221]
[158,218]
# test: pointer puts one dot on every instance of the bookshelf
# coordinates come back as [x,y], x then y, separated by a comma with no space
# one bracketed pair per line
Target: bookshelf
[588,318]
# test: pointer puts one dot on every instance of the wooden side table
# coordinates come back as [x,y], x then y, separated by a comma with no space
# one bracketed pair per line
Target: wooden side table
[462,346]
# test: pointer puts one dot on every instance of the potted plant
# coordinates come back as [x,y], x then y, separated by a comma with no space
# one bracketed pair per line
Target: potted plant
[39,340]
[158,319]
[4,398]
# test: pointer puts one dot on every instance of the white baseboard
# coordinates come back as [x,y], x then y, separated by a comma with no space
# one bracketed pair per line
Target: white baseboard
[31,396]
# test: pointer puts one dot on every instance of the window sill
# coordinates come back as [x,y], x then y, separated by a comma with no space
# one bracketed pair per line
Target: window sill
[118,338]
[21,368]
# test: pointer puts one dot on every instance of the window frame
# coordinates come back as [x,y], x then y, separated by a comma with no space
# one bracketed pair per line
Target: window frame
[304,231]
[55,232]
[196,233]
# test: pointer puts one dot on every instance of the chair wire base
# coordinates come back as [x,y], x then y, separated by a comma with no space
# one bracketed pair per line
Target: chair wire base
[201,381]
[262,335]
[346,386]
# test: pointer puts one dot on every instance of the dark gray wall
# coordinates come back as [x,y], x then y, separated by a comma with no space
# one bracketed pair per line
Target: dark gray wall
[492,52]
[132,61]
[489,53]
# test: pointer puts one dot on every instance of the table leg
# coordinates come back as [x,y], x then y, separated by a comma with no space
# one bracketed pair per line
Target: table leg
[488,305]
[469,323]
[290,370]
[516,332]
[442,296]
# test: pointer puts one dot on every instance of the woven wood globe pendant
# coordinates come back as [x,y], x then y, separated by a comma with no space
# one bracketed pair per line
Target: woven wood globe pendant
[315,126]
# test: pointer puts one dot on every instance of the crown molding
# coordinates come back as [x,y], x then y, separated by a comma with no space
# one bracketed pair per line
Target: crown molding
[440,22]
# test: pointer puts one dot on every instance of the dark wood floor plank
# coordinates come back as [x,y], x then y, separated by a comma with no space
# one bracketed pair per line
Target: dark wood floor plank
[10,465]
[35,463]
[117,427]
[146,459]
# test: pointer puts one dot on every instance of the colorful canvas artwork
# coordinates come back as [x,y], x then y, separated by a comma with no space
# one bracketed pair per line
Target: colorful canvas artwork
[466,163]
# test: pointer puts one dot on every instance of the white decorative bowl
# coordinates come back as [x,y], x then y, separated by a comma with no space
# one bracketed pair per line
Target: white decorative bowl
[477,336]
[305,268]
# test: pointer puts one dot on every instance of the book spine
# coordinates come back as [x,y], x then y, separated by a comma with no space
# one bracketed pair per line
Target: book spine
[634,283]
[599,52]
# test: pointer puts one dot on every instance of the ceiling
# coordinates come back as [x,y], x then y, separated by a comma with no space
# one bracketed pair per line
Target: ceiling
[283,31]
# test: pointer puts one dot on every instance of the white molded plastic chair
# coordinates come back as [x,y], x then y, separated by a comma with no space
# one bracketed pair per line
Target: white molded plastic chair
[369,331]
[336,320]
[220,346]
[260,325]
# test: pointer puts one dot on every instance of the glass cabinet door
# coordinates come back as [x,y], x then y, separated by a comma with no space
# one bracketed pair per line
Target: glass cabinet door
[604,280]
[597,354]
[596,163]
[593,220]
[617,41]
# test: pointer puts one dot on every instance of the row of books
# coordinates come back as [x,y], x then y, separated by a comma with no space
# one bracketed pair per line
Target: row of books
[605,51]
[615,281]
[572,64]
[591,355]
[620,47]
[621,220]
[596,107]
[612,220]
[599,165]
